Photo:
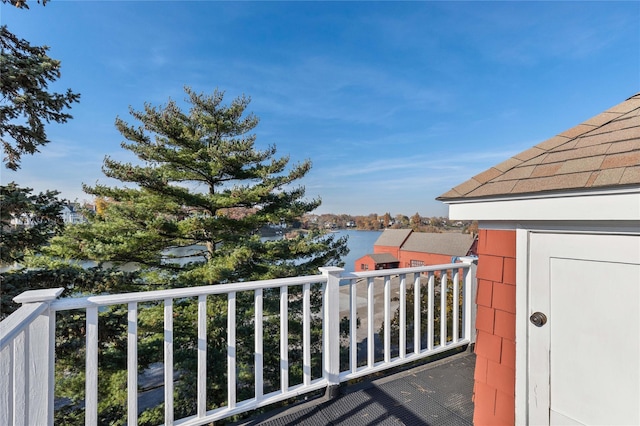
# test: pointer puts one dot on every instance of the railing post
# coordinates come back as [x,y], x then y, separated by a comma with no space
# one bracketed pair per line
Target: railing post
[331,332]
[39,355]
[470,307]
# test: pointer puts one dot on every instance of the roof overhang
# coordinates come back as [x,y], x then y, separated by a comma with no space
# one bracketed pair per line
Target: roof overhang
[621,204]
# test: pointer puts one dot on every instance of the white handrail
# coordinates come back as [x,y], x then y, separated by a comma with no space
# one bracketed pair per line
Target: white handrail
[18,321]
[388,352]
[411,270]
[27,340]
[174,293]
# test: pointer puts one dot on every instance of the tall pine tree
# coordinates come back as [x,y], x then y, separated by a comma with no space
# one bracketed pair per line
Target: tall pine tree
[196,199]
[26,103]
[189,213]
[27,106]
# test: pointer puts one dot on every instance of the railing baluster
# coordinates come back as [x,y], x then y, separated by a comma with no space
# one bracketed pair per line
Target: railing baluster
[353,326]
[39,381]
[168,361]
[370,342]
[284,339]
[417,314]
[91,365]
[456,306]
[51,347]
[387,318]
[331,328]
[132,364]
[202,355]
[443,308]
[468,313]
[403,316]
[21,378]
[432,313]
[32,331]
[7,396]
[231,349]
[306,334]
[27,345]
[259,345]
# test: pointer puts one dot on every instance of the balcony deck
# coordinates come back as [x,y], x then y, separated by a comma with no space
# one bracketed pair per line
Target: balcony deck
[394,318]
[436,393]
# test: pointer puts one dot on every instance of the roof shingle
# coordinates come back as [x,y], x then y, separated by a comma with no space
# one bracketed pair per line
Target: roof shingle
[383,257]
[448,243]
[392,237]
[601,152]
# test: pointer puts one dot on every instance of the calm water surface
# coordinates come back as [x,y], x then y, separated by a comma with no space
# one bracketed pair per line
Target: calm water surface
[359,243]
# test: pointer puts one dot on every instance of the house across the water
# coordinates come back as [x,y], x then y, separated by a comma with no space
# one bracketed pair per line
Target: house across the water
[402,248]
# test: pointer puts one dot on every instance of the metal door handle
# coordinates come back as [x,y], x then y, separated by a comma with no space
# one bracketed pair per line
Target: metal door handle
[538,319]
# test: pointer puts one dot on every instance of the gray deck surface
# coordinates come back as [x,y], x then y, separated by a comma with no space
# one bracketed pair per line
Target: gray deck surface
[437,393]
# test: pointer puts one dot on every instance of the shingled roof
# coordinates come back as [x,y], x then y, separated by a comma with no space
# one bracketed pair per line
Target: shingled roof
[383,258]
[447,243]
[600,153]
[392,237]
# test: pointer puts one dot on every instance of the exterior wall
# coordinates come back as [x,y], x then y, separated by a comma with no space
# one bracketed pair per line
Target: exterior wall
[366,260]
[406,257]
[388,265]
[494,378]
[394,250]
[367,263]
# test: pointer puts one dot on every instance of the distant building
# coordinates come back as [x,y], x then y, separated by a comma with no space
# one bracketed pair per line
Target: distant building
[21,221]
[72,213]
[426,248]
[400,248]
[390,241]
[375,261]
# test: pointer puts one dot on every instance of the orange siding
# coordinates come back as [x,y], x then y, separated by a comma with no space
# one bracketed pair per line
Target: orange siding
[406,257]
[495,377]
[366,260]
[387,249]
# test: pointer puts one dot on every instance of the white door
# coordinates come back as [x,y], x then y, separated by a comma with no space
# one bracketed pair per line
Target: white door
[584,362]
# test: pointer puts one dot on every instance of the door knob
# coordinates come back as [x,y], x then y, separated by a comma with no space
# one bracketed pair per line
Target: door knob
[538,319]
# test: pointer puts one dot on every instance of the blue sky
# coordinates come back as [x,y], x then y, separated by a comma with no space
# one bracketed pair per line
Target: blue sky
[393,102]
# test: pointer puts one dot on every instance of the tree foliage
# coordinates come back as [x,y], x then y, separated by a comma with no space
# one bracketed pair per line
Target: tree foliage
[386,220]
[188,213]
[369,222]
[22,4]
[25,73]
[73,278]
[401,221]
[27,221]
[416,222]
[197,198]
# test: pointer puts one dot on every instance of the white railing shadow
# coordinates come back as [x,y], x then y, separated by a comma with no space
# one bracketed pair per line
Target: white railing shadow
[403,300]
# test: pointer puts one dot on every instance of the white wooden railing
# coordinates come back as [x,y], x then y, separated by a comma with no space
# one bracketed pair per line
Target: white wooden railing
[27,337]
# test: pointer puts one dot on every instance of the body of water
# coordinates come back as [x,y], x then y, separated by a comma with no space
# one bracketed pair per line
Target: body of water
[360,243]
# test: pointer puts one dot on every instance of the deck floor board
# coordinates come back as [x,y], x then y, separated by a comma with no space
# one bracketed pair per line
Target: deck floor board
[437,393]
